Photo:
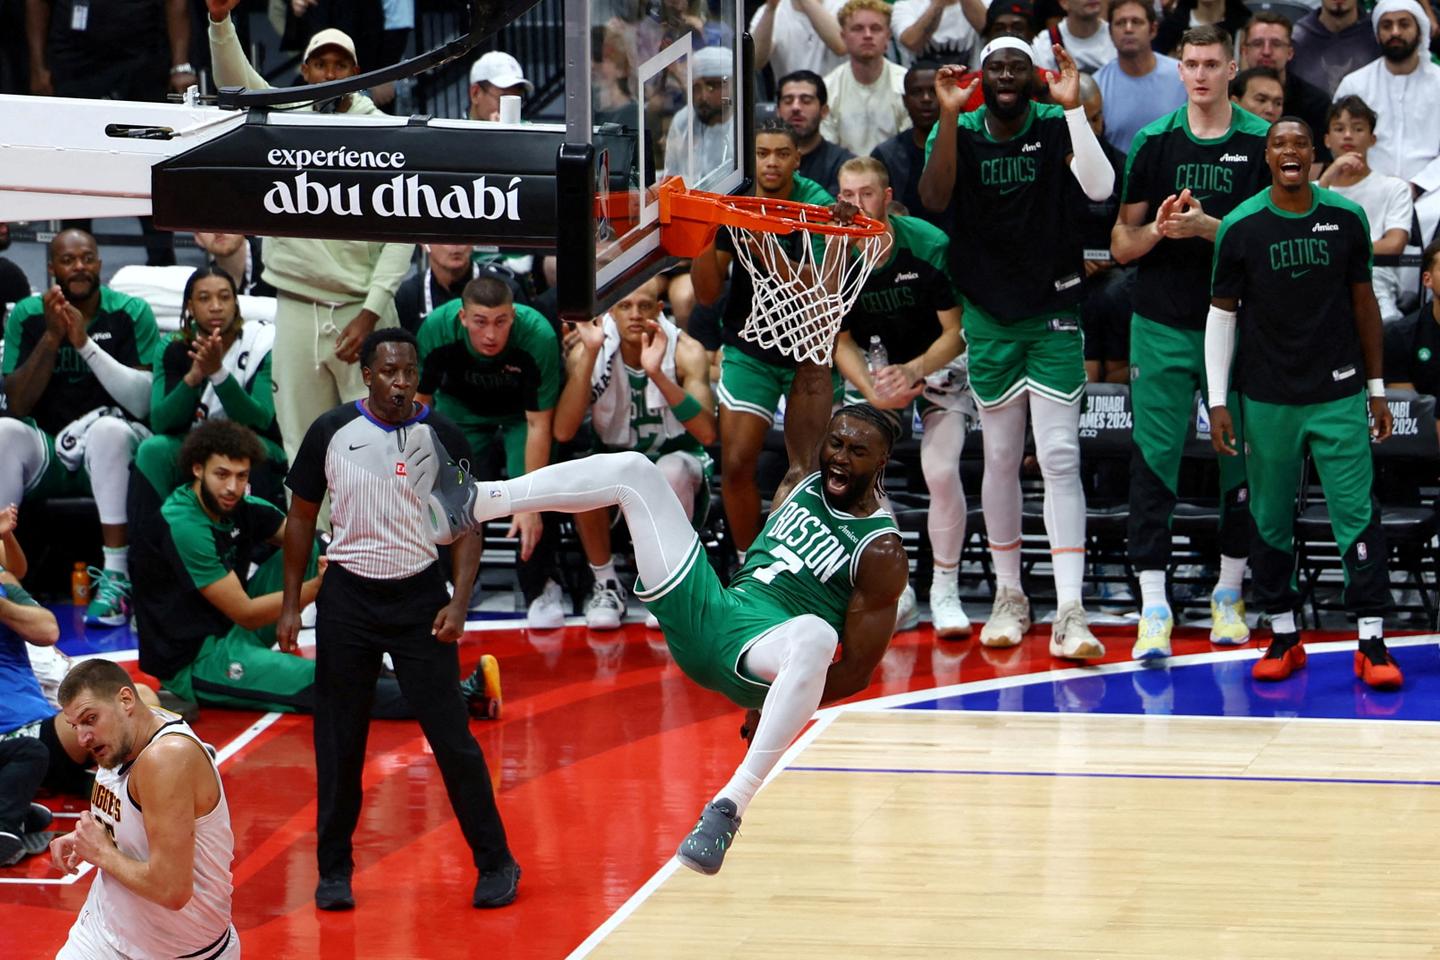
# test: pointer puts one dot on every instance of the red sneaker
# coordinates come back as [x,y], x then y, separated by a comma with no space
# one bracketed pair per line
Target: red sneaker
[1270,669]
[1384,675]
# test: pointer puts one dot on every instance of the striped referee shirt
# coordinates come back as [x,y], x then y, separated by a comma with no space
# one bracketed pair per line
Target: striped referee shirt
[378,531]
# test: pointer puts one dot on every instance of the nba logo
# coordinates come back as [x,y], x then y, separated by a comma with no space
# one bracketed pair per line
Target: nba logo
[1361,551]
[399,468]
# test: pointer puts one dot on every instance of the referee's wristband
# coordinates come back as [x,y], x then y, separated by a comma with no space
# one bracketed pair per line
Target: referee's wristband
[1375,388]
[687,408]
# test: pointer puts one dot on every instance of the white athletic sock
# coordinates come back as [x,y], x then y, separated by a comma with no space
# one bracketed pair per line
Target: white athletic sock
[1372,628]
[605,572]
[944,577]
[117,559]
[1152,590]
[1283,622]
[1069,568]
[1232,573]
[1006,560]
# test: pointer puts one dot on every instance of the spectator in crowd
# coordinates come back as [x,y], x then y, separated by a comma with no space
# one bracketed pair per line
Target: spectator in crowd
[1258,89]
[646,385]
[1228,15]
[752,378]
[1412,346]
[714,107]
[1331,41]
[867,91]
[908,307]
[496,74]
[112,51]
[77,370]
[803,104]
[1268,42]
[1139,85]
[23,761]
[947,30]
[1105,306]
[1009,18]
[1389,209]
[493,366]
[14,286]
[330,294]
[216,368]
[1014,166]
[205,622]
[1402,86]
[239,256]
[795,35]
[1214,155]
[384,592]
[1083,33]
[448,268]
[904,154]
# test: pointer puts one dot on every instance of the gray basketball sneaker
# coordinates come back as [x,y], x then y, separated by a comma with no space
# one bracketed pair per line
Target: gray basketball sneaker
[445,488]
[704,849]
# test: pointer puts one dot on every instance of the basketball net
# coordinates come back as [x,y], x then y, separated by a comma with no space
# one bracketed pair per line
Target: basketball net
[798,303]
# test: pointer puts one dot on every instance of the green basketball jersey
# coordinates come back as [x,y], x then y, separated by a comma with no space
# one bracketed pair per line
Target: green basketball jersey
[649,426]
[804,560]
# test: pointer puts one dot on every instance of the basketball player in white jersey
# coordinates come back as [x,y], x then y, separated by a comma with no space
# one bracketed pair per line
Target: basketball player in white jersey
[158,829]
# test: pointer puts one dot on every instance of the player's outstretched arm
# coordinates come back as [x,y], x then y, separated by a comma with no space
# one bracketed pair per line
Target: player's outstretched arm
[870,620]
[807,413]
[1370,329]
[937,183]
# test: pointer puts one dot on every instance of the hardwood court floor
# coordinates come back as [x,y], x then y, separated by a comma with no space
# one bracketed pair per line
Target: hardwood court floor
[938,834]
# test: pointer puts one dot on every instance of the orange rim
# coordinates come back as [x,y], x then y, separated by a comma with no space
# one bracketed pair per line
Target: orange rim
[689,218]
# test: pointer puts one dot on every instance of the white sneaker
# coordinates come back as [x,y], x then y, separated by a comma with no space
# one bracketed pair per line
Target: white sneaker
[946,612]
[907,610]
[307,617]
[652,622]
[546,611]
[605,607]
[1070,636]
[1009,619]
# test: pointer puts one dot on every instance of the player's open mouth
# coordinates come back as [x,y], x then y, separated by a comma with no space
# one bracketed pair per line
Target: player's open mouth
[1291,168]
[836,481]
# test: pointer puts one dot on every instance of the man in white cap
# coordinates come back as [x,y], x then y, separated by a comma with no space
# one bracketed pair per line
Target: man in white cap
[330,294]
[1402,86]
[1012,167]
[495,75]
[713,148]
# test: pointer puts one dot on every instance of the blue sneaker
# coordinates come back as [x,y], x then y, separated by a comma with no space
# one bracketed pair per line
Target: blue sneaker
[111,604]
[704,849]
[1153,640]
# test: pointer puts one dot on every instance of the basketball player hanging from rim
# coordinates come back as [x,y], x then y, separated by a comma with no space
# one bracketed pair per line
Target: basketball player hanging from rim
[1010,169]
[824,573]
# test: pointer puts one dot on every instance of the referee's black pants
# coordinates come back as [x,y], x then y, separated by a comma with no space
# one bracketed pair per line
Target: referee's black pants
[358,619]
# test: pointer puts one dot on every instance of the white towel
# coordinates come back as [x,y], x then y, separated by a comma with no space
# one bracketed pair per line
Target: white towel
[610,390]
[70,442]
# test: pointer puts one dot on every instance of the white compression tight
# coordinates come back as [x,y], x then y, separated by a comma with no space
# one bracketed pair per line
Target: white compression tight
[685,475]
[794,659]
[109,448]
[940,447]
[1057,447]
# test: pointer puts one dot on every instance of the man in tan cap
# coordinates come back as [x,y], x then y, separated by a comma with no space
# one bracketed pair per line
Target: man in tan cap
[330,293]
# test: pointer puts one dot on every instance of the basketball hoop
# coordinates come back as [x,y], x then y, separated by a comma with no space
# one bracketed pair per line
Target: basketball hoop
[800,295]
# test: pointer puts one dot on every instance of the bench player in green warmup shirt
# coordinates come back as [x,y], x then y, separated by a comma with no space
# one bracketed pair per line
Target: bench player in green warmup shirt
[1295,260]
[493,366]
[827,565]
[1010,171]
[1185,171]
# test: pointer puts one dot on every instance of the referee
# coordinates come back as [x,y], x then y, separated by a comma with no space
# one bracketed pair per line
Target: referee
[384,592]
[1295,259]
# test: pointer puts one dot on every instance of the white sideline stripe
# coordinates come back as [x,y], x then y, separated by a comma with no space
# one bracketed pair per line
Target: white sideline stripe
[225,753]
[827,715]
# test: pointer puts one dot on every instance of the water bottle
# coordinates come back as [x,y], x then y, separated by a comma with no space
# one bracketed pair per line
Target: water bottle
[80,584]
[877,356]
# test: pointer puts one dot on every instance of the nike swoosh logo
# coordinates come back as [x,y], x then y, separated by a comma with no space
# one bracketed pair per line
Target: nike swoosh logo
[1297,274]
[1010,190]
[357,446]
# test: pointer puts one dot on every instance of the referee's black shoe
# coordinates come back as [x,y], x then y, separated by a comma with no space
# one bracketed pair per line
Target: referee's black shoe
[444,487]
[333,893]
[497,888]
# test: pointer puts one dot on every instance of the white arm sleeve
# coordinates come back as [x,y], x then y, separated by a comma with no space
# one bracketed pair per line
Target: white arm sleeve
[1219,351]
[1088,163]
[127,386]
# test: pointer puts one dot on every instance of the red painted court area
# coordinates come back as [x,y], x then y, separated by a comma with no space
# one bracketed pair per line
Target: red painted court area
[603,759]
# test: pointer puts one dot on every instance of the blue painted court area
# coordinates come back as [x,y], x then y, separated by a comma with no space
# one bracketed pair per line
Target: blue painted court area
[1326,688]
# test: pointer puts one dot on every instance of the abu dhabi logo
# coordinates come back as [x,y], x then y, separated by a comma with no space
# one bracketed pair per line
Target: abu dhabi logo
[401,196]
